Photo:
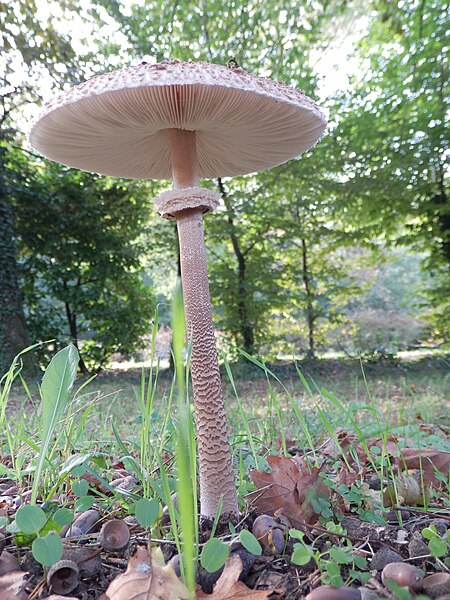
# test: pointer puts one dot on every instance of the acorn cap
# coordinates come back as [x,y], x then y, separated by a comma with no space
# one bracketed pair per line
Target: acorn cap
[116,123]
[63,577]
[114,536]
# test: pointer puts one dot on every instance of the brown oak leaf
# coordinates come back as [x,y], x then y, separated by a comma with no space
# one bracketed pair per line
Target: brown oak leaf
[228,587]
[338,445]
[428,462]
[147,578]
[288,490]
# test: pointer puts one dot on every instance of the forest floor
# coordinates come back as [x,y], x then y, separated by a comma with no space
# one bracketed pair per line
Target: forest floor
[343,469]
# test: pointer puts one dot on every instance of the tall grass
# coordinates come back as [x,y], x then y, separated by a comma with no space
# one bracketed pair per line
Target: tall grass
[185,451]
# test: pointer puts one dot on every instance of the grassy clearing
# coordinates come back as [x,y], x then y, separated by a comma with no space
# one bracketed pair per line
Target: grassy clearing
[408,392]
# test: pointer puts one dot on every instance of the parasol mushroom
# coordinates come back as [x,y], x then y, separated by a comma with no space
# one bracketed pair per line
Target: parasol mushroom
[184,121]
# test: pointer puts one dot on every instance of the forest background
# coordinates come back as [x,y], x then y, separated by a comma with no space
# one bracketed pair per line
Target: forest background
[345,250]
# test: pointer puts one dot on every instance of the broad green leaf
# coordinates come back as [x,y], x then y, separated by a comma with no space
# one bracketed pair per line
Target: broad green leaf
[250,543]
[360,562]
[430,533]
[340,556]
[80,487]
[84,503]
[438,547]
[30,519]
[301,555]
[47,550]
[147,511]
[56,384]
[214,555]
[334,573]
[296,534]
[63,516]
[13,527]
[74,461]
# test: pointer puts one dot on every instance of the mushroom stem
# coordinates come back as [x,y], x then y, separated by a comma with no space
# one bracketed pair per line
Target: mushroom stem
[215,463]
[184,158]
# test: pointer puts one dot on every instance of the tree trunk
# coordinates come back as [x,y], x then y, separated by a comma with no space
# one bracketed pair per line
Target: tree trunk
[245,326]
[310,317]
[13,328]
[73,330]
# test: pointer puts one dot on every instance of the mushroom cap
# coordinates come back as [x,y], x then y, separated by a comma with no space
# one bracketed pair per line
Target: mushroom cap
[114,124]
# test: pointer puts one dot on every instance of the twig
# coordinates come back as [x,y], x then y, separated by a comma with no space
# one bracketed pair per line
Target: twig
[37,588]
[380,589]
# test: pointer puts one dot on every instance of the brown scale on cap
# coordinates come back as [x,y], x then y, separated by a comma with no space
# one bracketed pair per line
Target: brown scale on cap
[183,121]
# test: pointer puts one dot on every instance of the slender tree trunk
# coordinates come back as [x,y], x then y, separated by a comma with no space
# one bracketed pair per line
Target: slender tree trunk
[310,317]
[73,330]
[13,328]
[246,328]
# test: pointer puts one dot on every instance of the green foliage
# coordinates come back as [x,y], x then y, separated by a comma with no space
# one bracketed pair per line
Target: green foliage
[30,519]
[80,246]
[47,550]
[265,39]
[391,133]
[147,511]
[250,542]
[40,526]
[214,555]
[331,559]
[439,546]
[57,382]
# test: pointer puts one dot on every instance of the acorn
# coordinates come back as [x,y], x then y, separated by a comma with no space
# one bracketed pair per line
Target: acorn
[437,585]
[328,592]
[404,575]
[86,522]
[63,577]
[174,562]
[114,536]
[269,534]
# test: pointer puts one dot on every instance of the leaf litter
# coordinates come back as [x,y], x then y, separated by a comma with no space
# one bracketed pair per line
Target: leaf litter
[346,509]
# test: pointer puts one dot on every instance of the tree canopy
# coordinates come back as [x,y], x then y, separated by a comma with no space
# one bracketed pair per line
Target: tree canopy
[287,246]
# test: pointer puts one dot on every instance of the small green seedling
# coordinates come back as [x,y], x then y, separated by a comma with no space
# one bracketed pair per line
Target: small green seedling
[250,543]
[214,555]
[147,511]
[84,501]
[331,559]
[40,527]
[438,545]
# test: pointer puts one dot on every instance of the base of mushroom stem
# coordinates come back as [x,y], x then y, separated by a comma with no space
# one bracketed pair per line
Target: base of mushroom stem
[206,523]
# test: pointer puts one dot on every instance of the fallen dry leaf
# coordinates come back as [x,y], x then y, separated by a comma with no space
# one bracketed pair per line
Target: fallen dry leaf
[337,445]
[228,587]
[288,489]
[428,461]
[147,578]
[12,586]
